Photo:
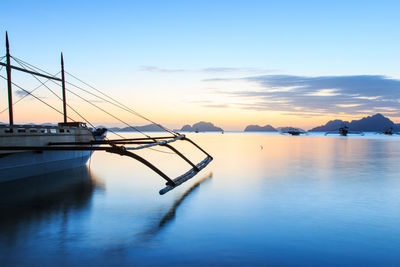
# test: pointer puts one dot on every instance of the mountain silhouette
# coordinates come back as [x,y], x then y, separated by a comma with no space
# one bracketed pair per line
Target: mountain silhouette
[201,127]
[257,128]
[375,123]
[145,128]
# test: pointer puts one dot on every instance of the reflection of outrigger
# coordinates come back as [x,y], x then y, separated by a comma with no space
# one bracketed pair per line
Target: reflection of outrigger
[344,131]
[39,148]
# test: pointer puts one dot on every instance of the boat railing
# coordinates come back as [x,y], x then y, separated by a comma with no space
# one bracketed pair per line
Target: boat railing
[35,130]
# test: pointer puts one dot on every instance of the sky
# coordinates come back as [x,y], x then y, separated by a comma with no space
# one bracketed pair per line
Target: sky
[233,63]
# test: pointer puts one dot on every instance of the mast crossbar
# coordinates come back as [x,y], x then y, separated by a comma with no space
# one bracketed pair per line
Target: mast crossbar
[31,72]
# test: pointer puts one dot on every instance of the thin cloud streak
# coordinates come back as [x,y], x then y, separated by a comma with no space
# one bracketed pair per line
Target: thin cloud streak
[216,106]
[20,93]
[325,94]
[159,70]
[210,70]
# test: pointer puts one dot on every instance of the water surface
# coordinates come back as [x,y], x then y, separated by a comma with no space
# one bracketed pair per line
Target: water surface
[272,199]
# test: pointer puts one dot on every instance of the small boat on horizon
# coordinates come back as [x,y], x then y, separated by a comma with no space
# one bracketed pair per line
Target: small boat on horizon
[389,131]
[344,131]
[293,131]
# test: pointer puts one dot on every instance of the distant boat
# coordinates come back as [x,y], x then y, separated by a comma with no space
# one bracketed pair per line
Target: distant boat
[344,131]
[389,131]
[293,131]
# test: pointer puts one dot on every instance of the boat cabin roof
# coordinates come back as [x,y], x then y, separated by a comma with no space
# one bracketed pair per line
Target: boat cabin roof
[60,125]
[72,124]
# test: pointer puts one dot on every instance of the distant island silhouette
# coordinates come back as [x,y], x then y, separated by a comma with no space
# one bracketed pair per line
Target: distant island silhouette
[145,128]
[375,123]
[269,128]
[257,128]
[201,127]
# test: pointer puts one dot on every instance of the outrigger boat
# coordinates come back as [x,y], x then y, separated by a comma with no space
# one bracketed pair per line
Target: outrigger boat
[293,131]
[389,131]
[28,150]
[344,131]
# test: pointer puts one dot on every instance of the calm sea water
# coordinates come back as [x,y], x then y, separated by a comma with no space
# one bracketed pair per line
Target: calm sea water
[271,200]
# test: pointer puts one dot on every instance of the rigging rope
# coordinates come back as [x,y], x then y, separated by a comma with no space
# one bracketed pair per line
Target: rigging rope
[26,65]
[107,101]
[113,101]
[35,97]
[121,105]
[50,106]
[57,96]
[62,100]
[21,62]
[103,110]
[30,92]
[87,101]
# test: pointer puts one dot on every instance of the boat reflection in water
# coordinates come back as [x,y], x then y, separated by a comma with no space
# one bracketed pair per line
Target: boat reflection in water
[172,211]
[170,214]
[25,201]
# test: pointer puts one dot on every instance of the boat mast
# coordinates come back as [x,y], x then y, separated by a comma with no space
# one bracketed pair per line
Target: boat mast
[9,84]
[63,88]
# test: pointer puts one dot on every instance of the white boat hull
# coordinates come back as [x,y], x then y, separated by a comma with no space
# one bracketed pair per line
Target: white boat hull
[25,164]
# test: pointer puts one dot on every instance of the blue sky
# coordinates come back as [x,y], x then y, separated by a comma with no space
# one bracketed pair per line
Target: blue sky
[166,52]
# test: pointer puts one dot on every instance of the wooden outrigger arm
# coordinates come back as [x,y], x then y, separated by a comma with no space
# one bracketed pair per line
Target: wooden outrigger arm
[117,147]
